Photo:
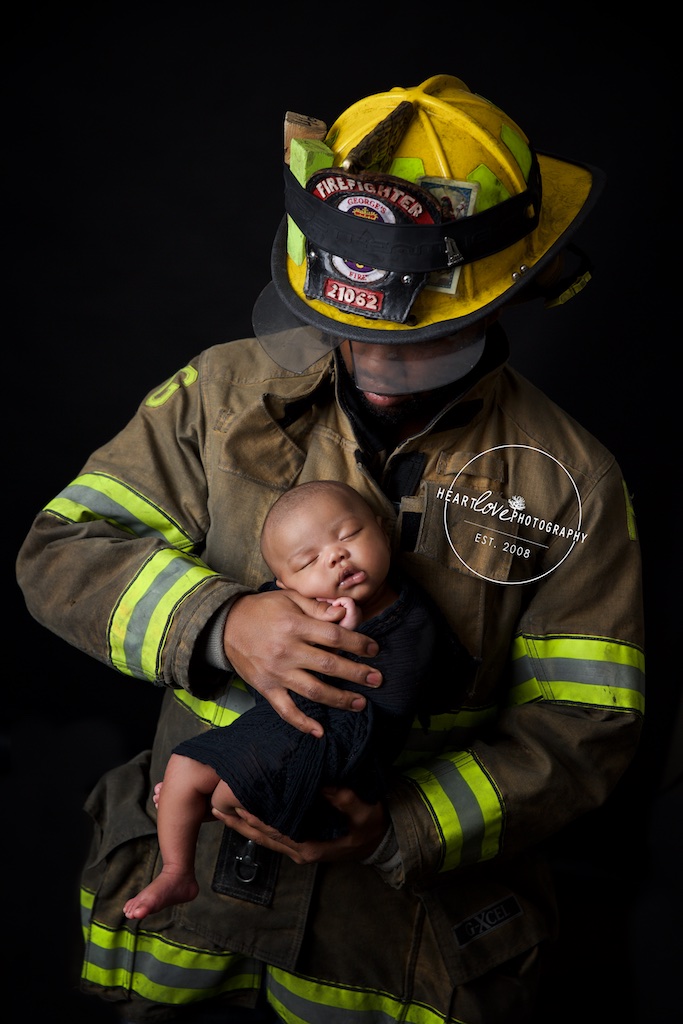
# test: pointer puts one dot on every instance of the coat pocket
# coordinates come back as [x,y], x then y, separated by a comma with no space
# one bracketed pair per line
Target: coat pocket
[479,926]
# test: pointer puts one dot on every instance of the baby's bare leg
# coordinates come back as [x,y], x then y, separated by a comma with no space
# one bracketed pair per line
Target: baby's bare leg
[182,808]
[223,798]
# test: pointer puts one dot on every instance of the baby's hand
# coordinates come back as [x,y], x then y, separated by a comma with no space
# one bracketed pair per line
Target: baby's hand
[155,795]
[351,618]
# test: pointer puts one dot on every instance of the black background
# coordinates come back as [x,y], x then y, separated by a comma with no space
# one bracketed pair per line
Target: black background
[144,190]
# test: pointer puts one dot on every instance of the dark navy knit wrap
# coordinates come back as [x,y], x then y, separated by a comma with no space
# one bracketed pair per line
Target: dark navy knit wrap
[277,772]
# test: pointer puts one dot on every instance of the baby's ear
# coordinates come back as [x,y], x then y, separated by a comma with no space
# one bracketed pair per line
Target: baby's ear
[280,584]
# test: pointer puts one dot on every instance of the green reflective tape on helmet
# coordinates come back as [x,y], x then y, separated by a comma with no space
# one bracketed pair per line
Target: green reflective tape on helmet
[99,496]
[518,147]
[491,189]
[222,711]
[145,609]
[465,805]
[577,669]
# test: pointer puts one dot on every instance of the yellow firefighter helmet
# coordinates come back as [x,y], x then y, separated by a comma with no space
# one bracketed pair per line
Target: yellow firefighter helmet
[420,212]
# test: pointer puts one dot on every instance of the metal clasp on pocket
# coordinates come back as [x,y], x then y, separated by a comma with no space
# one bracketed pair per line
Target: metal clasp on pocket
[246,865]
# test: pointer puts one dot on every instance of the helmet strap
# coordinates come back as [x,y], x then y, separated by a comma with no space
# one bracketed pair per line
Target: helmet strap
[415,248]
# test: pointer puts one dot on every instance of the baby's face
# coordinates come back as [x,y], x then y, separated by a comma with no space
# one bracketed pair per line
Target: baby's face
[330,548]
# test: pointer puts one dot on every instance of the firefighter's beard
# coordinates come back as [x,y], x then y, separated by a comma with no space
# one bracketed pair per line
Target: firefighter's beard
[412,407]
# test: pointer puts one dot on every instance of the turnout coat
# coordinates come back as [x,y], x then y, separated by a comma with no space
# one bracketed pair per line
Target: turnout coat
[134,558]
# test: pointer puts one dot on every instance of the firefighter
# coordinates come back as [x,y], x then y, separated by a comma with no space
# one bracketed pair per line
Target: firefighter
[379,358]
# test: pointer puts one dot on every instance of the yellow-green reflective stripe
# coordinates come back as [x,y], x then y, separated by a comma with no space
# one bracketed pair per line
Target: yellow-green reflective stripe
[464,718]
[234,702]
[297,998]
[98,496]
[87,902]
[518,147]
[472,718]
[237,699]
[465,806]
[144,611]
[453,728]
[185,377]
[630,514]
[580,670]
[163,971]
[491,189]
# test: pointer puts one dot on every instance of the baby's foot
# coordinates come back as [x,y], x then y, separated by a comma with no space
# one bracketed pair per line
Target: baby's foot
[166,890]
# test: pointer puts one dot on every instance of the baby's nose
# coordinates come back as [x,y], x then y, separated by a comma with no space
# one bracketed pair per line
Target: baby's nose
[337,554]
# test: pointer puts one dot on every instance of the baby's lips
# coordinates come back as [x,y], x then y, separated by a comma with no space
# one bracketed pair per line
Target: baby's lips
[353,579]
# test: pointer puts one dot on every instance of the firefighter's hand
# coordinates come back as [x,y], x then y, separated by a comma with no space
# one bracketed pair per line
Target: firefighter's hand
[368,824]
[276,640]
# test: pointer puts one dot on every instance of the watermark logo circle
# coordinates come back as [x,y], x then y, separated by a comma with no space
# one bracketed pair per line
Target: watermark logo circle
[524,529]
